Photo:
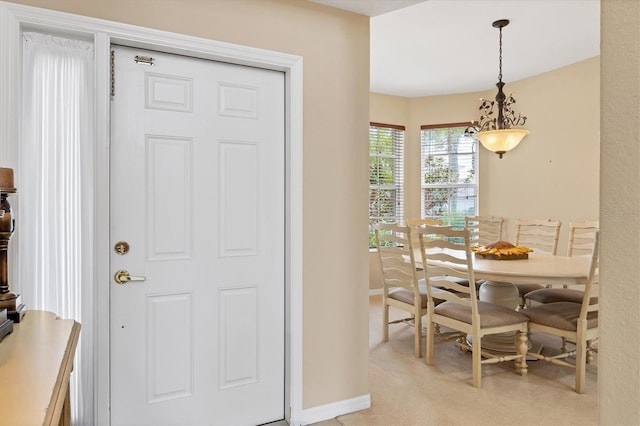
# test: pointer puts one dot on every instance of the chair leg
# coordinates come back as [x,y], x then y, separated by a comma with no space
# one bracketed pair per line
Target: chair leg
[477,362]
[581,357]
[431,327]
[521,349]
[385,322]
[417,335]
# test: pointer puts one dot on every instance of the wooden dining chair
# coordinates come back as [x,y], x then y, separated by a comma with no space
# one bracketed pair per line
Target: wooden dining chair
[575,322]
[582,235]
[417,222]
[582,238]
[446,256]
[400,288]
[540,235]
[484,229]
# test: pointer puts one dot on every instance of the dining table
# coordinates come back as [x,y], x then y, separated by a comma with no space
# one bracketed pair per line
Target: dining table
[499,277]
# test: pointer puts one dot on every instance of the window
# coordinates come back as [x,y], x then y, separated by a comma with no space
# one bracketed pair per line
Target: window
[386,175]
[449,179]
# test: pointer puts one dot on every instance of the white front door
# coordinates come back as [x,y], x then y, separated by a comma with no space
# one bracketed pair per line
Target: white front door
[197,195]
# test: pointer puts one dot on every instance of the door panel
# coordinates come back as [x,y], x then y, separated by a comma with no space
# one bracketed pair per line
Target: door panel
[197,190]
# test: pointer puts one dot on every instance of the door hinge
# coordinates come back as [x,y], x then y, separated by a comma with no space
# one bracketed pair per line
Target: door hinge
[113,73]
[145,60]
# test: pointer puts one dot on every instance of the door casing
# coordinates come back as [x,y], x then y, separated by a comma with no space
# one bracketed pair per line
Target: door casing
[15,19]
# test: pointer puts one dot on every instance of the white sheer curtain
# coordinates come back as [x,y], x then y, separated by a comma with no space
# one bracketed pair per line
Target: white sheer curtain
[55,189]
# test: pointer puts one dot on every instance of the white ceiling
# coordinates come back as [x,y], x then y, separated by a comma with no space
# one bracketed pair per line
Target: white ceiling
[368,7]
[435,47]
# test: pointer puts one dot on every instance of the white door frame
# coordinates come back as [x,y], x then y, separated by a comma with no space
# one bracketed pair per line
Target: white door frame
[15,18]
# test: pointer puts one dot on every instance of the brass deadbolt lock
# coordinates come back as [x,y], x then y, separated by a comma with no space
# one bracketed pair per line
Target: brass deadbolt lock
[121,247]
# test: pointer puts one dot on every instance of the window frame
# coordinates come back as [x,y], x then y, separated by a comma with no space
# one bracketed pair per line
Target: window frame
[398,133]
[470,157]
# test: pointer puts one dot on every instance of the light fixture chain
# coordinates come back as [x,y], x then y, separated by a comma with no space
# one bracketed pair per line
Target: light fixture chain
[500,56]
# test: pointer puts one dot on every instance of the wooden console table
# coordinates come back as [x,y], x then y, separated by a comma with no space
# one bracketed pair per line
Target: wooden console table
[35,364]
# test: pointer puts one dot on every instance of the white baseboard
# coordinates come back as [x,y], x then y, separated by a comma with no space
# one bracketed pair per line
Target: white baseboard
[333,410]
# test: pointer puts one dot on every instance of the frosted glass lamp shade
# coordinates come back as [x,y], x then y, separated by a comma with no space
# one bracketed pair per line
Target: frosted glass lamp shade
[501,141]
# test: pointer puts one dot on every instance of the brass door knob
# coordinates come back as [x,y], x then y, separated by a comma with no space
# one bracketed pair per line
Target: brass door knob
[123,277]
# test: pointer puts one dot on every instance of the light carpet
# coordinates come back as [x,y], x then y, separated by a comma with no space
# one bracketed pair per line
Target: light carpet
[405,391]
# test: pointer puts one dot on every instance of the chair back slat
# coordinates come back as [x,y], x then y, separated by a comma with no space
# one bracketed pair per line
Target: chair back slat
[396,277]
[448,256]
[394,239]
[539,235]
[451,285]
[451,295]
[423,221]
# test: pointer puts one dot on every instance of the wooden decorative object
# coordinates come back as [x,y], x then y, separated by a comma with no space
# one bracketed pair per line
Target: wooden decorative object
[6,325]
[6,179]
[8,300]
[502,257]
[501,250]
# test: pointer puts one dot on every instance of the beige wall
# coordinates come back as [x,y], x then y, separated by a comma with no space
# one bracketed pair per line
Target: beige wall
[335,47]
[618,362]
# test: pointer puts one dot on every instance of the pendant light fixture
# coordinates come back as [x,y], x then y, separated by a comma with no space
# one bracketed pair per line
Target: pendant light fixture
[499,133]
